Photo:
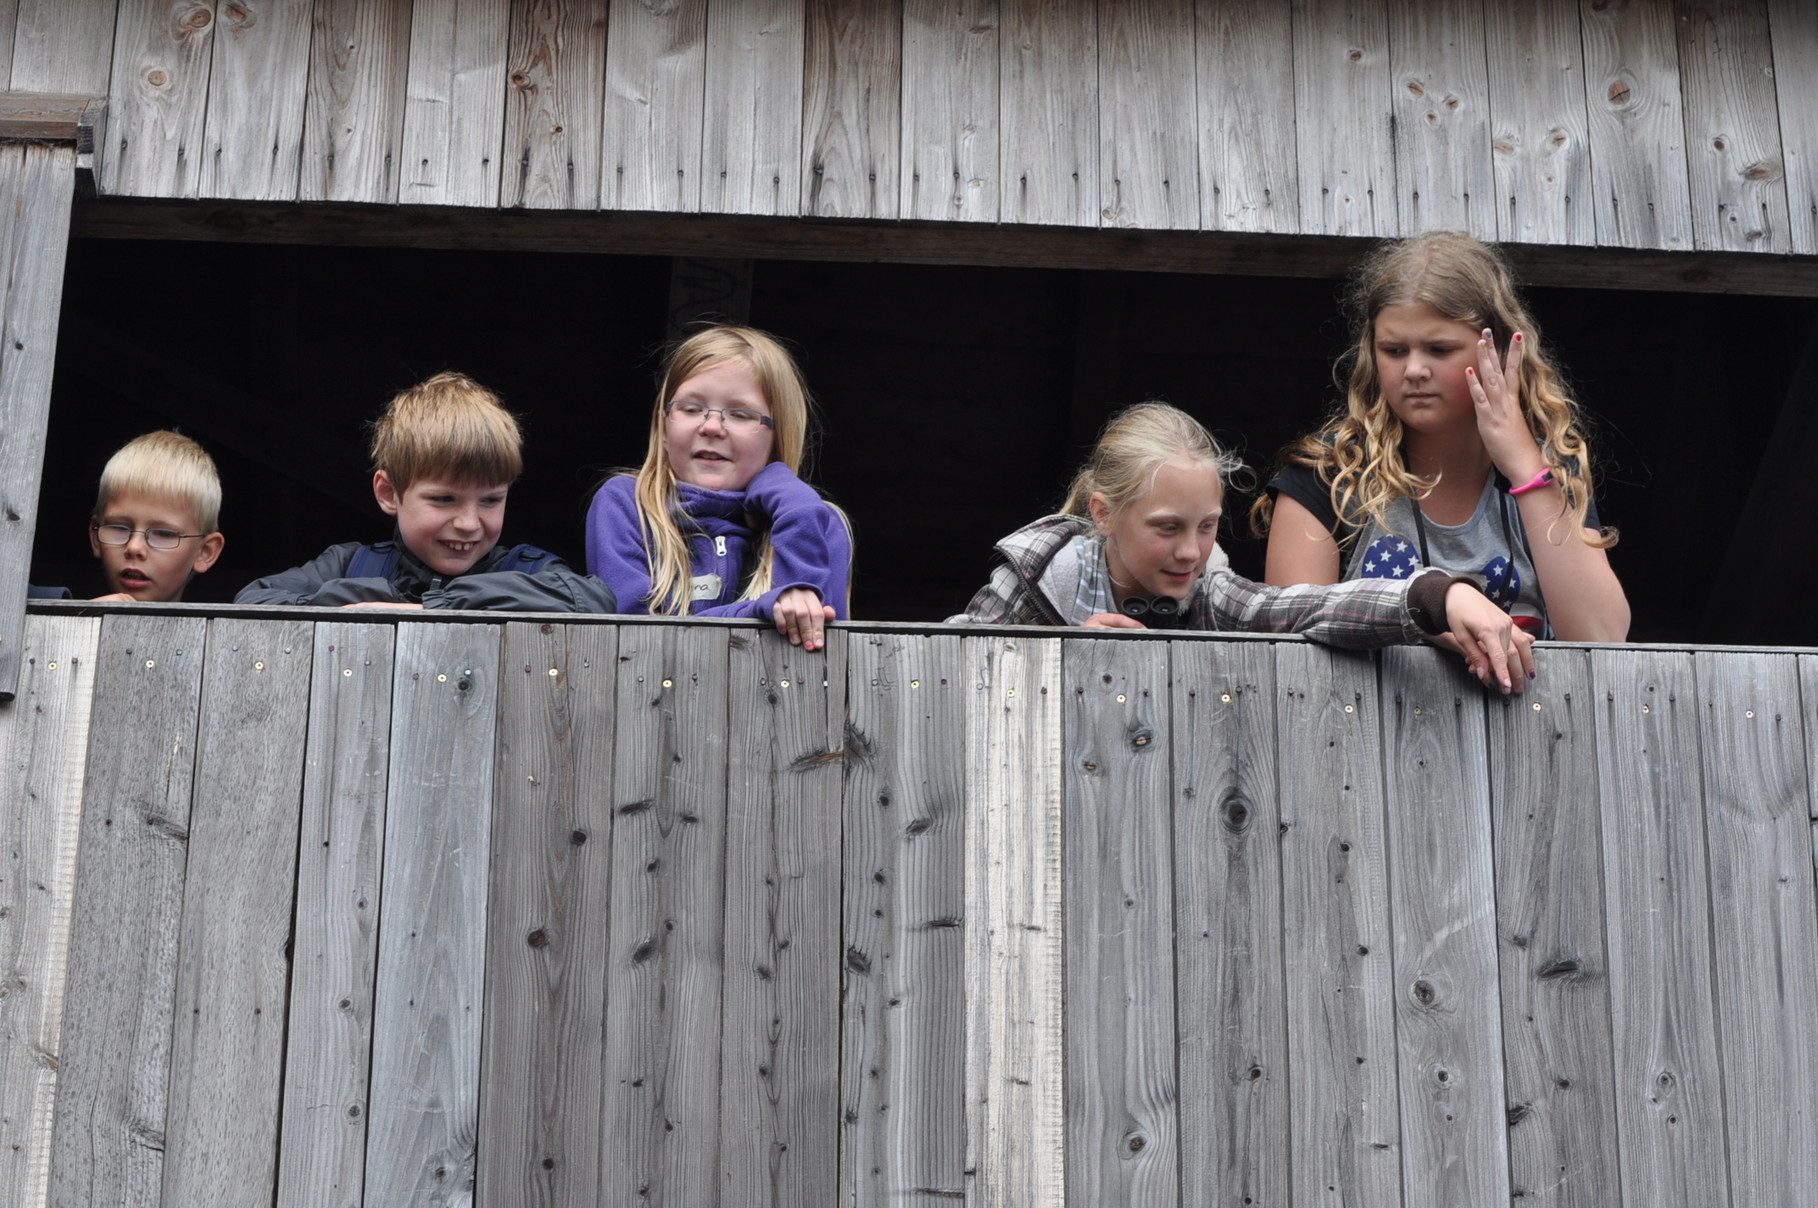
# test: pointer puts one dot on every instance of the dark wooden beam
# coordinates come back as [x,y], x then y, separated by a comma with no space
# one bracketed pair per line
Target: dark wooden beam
[59,117]
[730,238]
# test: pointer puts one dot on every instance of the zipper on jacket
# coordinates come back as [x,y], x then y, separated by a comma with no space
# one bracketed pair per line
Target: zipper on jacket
[719,546]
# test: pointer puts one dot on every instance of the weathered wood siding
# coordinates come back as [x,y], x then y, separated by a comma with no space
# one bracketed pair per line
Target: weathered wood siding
[649,912]
[1671,126]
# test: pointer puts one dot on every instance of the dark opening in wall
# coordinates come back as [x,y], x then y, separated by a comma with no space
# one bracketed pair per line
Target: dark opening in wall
[955,401]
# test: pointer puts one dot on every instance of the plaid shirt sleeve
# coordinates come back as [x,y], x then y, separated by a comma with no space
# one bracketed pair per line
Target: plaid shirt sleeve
[1005,600]
[1361,613]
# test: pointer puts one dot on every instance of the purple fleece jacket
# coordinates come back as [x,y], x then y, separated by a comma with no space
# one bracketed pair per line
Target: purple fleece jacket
[813,549]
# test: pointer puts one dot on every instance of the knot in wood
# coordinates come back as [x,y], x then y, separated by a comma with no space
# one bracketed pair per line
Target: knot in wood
[1619,92]
[538,938]
[1236,813]
[157,78]
[1136,1143]
[1424,994]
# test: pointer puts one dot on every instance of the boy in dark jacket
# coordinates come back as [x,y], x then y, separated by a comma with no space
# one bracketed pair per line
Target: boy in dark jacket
[445,453]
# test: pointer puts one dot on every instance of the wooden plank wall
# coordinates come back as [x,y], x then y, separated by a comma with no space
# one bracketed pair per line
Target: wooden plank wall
[1680,126]
[656,913]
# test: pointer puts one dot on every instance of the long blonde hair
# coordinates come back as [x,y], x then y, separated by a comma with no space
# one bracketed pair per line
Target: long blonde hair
[1357,451]
[1137,442]
[784,391]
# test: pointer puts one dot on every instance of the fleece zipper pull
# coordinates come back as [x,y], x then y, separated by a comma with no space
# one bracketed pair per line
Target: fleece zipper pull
[719,546]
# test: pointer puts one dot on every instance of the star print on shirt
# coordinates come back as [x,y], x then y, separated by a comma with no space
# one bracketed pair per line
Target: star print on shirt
[1391,557]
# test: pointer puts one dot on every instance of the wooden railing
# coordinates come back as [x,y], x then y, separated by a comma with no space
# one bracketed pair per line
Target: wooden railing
[635,912]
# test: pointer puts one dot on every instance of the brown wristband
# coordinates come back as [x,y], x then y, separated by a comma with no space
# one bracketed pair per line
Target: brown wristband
[1427,597]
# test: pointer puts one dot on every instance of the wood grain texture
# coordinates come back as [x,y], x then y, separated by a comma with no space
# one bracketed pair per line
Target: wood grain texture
[1148,152]
[656,57]
[556,77]
[1344,1109]
[1121,1081]
[1346,157]
[1764,923]
[427,1010]
[257,85]
[666,961]
[115,1063]
[9,24]
[454,103]
[1539,141]
[902,1047]
[547,917]
[1049,84]
[38,180]
[951,60]
[1669,1092]
[340,851]
[1794,25]
[1015,946]
[1246,116]
[1636,124]
[1732,127]
[1228,928]
[44,747]
[779,1080]
[63,46]
[157,97]
[751,154]
[1555,976]
[1442,898]
[852,108]
[353,121]
[1439,98]
[233,967]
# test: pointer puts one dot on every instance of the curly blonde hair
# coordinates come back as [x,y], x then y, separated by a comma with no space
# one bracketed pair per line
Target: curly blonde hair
[1357,451]
[784,390]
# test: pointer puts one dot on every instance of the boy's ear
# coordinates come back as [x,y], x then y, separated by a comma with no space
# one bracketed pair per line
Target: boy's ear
[208,549]
[385,492]
[94,542]
[1101,511]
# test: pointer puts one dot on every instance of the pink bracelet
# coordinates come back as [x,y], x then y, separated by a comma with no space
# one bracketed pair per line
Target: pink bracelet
[1535,483]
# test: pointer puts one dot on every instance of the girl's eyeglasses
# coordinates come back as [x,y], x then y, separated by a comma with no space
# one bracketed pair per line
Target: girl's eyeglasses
[739,419]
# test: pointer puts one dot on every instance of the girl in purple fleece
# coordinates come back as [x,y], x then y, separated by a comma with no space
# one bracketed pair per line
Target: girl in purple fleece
[715,523]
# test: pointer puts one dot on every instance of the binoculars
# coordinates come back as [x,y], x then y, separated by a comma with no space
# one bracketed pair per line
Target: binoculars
[1158,612]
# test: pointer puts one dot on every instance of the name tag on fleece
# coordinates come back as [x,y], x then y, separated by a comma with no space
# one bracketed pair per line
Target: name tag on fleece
[705,587]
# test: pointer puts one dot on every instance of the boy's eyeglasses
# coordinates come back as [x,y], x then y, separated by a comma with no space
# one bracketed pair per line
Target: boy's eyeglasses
[739,419]
[157,538]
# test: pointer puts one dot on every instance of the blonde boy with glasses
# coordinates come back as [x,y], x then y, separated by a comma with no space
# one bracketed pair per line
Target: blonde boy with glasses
[154,521]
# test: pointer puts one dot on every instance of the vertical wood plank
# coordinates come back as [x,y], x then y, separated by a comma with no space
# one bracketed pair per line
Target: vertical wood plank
[660,1142]
[1549,906]
[353,122]
[751,157]
[1440,98]
[340,850]
[1794,25]
[554,99]
[1229,925]
[1637,124]
[38,182]
[1148,153]
[779,1140]
[115,1063]
[950,110]
[1764,919]
[902,1050]
[233,971]
[852,108]
[427,1009]
[1346,156]
[1246,117]
[454,103]
[547,917]
[157,98]
[9,26]
[1049,116]
[656,57]
[1122,1110]
[43,747]
[1541,152]
[1443,901]
[1732,126]
[1344,1111]
[257,86]
[1669,1097]
[63,46]
[1015,1130]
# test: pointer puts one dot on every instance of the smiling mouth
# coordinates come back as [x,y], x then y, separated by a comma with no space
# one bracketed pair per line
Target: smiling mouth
[710,455]
[461,547]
